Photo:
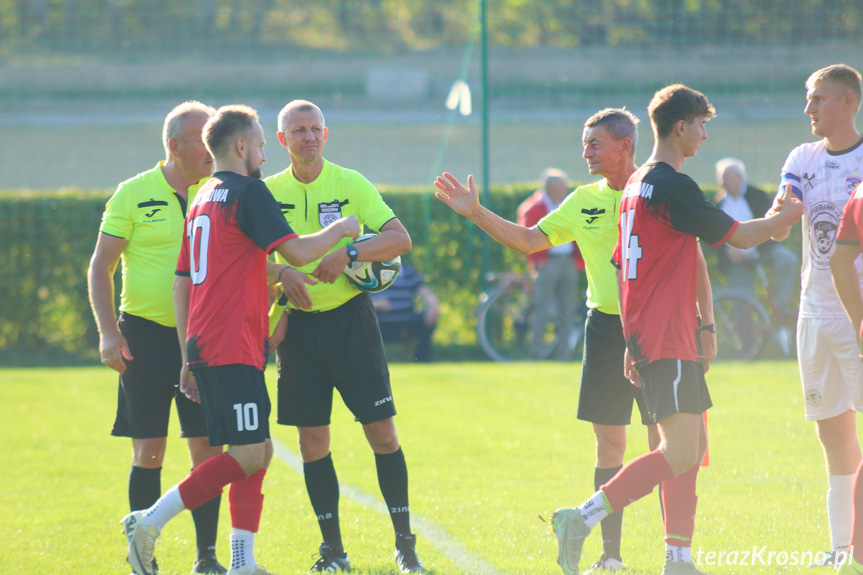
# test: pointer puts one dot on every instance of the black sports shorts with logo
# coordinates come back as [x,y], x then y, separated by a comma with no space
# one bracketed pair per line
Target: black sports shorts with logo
[236,403]
[606,395]
[151,384]
[338,349]
[674,386]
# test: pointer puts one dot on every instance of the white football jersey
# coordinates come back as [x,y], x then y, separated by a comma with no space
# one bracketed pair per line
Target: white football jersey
[824,182]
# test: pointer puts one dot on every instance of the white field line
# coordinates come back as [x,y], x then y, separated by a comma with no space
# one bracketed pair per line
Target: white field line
[449,546]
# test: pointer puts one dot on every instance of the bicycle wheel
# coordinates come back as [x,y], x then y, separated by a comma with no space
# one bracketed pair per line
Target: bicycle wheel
[741,327]
[504,326]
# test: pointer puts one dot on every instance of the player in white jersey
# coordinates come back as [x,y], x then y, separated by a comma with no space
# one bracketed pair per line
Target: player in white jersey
[823,175]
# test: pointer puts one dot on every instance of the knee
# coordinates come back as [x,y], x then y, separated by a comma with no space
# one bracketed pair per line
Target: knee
[610,447]
[148,453]
[681,458]
[382,436]
[314,444]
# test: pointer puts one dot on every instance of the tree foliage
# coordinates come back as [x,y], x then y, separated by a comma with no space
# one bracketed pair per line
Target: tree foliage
[142,28]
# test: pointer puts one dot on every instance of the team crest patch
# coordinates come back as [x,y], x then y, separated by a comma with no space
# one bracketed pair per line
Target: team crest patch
[850,184]
[813,397]
[824,223]
[329,212]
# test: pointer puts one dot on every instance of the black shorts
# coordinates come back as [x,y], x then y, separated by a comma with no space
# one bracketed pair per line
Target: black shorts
[674,386]
[236,403]
[339,349]
[606,395]
[151,384]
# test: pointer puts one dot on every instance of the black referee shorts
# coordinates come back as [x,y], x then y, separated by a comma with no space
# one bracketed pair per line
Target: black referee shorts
[606,396]
[338,349]
[151,384]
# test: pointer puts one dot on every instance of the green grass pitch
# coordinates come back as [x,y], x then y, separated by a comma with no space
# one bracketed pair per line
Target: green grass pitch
[489,447]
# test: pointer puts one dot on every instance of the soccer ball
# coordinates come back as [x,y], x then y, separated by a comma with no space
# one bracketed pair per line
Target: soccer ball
[372,276]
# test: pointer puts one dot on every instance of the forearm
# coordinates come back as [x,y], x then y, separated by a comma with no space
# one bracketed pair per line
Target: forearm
[306,249]
[101,291]
[847,283]
[388,245]
[274,271]
[755,232]
[514,236]
[182,288]
[704,291]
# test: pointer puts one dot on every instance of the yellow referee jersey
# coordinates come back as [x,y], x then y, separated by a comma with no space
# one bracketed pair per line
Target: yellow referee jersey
[589,216]
[336,193]
[146,212]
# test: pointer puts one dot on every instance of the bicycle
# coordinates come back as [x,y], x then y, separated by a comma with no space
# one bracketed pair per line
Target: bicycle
[504,321]
[743,324]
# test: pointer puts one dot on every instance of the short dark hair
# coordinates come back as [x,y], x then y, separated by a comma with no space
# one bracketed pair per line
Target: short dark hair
[228,123]
[674,103]
[620,123]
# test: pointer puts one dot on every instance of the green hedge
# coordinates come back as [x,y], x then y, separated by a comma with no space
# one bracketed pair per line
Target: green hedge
[47,238]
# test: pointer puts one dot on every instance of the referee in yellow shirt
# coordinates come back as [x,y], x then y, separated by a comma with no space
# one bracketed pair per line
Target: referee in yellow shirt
[588,216]
[143,227]
[333,340]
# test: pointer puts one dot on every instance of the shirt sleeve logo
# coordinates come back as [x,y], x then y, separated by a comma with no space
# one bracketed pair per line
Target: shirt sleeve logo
[329,212]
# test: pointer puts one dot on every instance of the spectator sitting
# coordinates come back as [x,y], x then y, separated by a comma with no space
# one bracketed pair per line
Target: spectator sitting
[744,202]
[398,316]
[555,270]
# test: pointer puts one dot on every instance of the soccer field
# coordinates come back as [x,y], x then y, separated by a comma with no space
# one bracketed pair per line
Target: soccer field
[489,447]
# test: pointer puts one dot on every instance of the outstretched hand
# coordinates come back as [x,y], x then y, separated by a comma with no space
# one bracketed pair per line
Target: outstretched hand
[451,192]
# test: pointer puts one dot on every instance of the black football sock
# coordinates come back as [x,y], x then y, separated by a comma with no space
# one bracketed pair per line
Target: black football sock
[206,519]
[145,487]
[393,479]
[323,487]
[612,526]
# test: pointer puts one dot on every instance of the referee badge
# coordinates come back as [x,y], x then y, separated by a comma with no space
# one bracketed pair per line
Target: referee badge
[329,212]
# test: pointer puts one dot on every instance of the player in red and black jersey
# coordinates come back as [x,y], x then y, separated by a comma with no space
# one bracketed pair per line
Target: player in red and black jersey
[662,214]
[220,301]
[846,279]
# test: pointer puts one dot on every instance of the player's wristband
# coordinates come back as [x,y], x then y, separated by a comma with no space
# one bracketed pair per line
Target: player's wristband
[352,252]
[709,327]
[284,269]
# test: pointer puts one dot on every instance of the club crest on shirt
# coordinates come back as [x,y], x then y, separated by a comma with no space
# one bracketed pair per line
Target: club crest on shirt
[851,183]
[824,223]
[329,212]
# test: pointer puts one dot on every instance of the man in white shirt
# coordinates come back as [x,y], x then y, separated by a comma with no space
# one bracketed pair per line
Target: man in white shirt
[823,175]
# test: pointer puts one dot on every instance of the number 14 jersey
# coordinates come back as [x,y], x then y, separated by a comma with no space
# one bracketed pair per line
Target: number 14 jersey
[662,214]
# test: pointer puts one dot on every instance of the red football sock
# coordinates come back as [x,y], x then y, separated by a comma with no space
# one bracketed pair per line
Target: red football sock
[678,506]
[246,501]
[208,479]
[857,521]
[637,479]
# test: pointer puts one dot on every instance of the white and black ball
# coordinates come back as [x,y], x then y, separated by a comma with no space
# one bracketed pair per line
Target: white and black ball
[372,277]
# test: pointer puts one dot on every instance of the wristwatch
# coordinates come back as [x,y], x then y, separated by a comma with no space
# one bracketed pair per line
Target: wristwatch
[352,252]
[709,327]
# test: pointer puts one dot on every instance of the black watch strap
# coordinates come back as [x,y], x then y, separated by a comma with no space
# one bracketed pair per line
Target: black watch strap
[352,252]
[711,327]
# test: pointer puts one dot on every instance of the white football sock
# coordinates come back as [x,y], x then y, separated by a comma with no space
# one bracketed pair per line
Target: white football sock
[166,508]
[839,493]
[594,509]
[243,551]
[675,553]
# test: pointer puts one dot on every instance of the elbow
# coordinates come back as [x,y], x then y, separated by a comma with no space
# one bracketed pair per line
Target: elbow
[405,244]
